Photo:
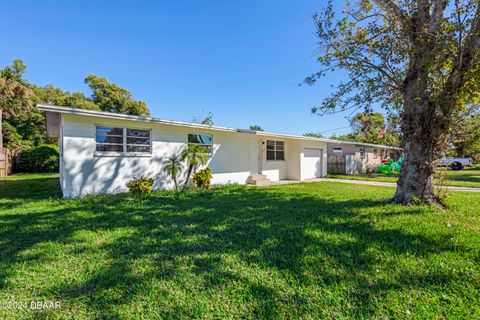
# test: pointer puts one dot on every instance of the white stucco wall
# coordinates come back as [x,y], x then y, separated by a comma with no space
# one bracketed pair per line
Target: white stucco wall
[293,155]
[85,172]
[236,155]
[274,170]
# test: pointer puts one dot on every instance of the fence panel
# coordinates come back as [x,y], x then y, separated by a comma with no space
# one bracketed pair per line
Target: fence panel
[5,162]
[336,164]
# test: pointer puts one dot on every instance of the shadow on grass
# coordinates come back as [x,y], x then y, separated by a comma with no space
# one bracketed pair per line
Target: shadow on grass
[14,191]
[298,235]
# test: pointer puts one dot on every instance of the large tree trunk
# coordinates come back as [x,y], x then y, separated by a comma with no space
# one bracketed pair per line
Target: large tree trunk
[416,174]
[424,126]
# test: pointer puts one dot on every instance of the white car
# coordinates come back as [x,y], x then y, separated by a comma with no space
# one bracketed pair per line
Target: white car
[455,163]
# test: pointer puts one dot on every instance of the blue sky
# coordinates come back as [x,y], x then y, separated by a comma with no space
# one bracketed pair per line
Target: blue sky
[239,60]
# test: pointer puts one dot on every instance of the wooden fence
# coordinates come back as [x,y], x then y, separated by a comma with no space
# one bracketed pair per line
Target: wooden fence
[5,162]
[336,164]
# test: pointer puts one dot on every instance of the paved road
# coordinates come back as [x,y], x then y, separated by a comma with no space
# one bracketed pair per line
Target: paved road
[389,184]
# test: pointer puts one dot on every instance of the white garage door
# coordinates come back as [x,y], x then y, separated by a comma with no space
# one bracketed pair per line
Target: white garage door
[311,163]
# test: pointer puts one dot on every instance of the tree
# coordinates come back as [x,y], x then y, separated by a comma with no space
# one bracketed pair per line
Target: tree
[56,96]
[172,166]
[418,57]
[465,136]
[195,155]
[256,127]
[112,98]
[15,99]
[208,120]
[24,124]
[367,125]
[313,135]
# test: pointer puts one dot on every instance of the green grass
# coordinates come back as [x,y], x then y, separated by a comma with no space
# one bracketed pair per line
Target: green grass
[320,250]
[468,177]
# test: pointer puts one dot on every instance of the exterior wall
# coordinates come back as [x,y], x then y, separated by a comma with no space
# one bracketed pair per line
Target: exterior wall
[235,156]
[293,155]
[347,149]
[356,163]
[274,170]
[85,172]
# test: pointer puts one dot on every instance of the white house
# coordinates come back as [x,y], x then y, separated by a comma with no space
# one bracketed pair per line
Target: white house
[102,151]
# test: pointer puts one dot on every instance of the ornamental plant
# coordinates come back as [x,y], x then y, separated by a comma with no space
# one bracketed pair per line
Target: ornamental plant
[202,178]
[140,185]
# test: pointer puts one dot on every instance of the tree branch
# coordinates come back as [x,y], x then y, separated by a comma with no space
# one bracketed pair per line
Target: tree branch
[393,8]
[465,56]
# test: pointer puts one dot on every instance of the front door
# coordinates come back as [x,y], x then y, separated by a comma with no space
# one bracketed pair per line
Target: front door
[255,156]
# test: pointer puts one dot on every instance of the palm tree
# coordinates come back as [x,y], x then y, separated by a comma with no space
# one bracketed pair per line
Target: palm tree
[172,166]
[195,155]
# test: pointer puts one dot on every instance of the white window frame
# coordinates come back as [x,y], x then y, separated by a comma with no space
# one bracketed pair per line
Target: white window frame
[123,153]
[335,151]
[275,150]
[202,144]
[375,153]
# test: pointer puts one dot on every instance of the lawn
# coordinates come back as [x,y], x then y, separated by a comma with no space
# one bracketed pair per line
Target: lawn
[318,250]
[468,177]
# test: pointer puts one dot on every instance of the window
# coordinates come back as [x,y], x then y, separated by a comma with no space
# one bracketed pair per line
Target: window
[362,152]
[375,153]
[114,139]
[337,151]
[275,150]
[138,140]
[109,139]
[204,140]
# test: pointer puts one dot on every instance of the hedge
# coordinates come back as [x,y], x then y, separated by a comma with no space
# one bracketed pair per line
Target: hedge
[43,158]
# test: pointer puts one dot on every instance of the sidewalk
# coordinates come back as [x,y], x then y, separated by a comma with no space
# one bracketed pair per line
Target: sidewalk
[368,183]
[391,184]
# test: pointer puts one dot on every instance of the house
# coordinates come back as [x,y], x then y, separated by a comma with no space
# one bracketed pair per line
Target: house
[357,157]
[102,151]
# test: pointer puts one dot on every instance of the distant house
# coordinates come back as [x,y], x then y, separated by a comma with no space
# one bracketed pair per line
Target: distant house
[102,151]
[358,157]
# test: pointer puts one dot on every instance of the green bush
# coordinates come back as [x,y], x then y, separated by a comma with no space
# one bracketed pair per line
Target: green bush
[140,185]
[43,158]
[202,178]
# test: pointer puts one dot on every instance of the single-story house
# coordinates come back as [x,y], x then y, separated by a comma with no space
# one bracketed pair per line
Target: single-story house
[359,157]
[102,151]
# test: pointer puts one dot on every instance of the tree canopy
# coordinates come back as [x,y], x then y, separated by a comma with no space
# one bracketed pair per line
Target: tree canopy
[313,135]
[367,125]
[465,136]
[112,98]
[256,127]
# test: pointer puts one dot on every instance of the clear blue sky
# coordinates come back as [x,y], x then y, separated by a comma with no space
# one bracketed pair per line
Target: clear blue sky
[240,60]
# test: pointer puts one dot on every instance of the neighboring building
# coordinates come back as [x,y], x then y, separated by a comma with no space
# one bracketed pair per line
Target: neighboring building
[102,151]
[359,157]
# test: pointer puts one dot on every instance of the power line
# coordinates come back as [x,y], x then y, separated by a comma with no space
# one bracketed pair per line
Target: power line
[334,129]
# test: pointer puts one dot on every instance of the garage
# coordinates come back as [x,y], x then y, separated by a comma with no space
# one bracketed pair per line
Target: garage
[312,163]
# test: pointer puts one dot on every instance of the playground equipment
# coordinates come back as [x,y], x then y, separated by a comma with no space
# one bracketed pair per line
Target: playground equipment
[390,167]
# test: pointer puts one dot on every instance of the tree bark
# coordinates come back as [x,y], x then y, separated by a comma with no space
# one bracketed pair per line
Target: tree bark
[424,126]
[416,174]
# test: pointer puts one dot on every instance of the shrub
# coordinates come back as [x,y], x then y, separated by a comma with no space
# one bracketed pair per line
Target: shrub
[140,185]
[43,158]
[202,178]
